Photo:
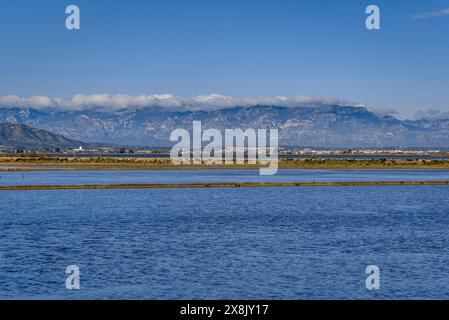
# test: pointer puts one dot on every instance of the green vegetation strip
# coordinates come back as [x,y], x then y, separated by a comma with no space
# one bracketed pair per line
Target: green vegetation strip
[224,185]
[104,163]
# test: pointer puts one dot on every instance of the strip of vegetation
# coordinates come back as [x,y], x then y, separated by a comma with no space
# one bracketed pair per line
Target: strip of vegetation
[104,163]
[224,185]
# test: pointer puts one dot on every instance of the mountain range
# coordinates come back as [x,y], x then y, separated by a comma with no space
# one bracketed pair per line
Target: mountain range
[332,126]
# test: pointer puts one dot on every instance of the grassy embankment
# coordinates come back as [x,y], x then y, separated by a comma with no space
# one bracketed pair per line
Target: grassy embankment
[224,185]
[104,163]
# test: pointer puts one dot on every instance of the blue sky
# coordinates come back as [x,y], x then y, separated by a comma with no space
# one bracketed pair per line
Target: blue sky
[242,48]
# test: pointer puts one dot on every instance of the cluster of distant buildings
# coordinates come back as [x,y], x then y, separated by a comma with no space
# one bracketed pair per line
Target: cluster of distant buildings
[282,151]
[310,151]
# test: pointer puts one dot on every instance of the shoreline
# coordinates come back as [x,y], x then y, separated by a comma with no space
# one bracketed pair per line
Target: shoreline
[223,185]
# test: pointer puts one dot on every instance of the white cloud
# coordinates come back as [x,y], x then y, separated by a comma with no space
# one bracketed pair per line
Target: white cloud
[431,114]
[384,111]
[430,14]
[36,101]
[169,101]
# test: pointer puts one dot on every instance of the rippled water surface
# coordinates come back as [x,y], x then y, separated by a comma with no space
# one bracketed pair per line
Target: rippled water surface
[197,176]
[248,243]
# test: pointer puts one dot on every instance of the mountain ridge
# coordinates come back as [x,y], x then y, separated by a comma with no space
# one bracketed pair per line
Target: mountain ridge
[318,126]
[14,135]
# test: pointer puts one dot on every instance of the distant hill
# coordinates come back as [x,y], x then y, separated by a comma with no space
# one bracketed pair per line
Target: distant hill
[15,135]
[315,126]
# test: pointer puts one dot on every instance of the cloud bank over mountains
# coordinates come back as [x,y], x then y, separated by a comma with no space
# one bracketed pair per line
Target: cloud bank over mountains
[169,101]
[212,102]
[431,114]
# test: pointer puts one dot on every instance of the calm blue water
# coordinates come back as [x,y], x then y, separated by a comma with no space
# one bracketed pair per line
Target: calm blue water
[261,243]
[207,176]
